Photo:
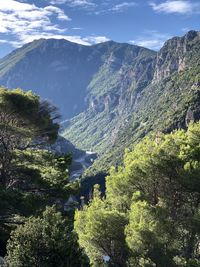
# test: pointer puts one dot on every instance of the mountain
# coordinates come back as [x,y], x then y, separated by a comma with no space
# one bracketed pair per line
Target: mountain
[62,71]
[169,99]
[111,94]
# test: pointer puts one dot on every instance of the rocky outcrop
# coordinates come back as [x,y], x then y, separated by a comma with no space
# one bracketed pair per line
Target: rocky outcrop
[173,56]
[106,102]
[189,117]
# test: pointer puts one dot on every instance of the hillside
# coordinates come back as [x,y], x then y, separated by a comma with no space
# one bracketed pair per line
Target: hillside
[169,101]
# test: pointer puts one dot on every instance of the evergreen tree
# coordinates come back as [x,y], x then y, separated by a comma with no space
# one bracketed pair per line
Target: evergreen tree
[45,241]
[157,190]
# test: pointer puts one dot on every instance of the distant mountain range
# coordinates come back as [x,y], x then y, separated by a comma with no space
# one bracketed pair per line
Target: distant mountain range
[111,94]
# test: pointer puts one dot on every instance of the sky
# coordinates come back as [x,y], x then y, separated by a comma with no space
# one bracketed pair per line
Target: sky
[145,23]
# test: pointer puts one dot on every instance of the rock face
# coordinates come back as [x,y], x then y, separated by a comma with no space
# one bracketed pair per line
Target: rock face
[155,93]
[106,102]
[115,96]
[174,56]
[189,117]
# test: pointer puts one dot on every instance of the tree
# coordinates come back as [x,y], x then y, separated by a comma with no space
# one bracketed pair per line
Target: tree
[42,171]
[30,176]
[23,120]
[100,232]
[151,235]
[45,241]
[157,191]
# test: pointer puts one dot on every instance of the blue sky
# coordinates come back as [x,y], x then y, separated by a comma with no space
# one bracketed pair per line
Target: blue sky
[145,23]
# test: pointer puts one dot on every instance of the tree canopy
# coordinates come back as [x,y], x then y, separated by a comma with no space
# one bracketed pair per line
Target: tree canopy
[154,198]
[24,121]
[45,241]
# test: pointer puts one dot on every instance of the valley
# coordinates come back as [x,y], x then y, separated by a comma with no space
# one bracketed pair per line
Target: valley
[100,154]
[118,89]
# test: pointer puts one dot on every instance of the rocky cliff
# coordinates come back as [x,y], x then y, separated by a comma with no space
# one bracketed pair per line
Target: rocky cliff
[177,54]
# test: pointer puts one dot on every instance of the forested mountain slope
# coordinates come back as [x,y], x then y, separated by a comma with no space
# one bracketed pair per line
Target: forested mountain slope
[169,100]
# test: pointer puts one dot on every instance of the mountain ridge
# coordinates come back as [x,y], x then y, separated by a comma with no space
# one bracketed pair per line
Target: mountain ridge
[56,69]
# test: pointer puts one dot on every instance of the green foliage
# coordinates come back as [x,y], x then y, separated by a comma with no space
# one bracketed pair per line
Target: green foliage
[100,232]
[41,169]
[24,121]
[35,116]
[156,193]
[43,242]
[32,178]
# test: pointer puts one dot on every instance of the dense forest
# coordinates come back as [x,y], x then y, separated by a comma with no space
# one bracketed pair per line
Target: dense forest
[151,213]
[149,216]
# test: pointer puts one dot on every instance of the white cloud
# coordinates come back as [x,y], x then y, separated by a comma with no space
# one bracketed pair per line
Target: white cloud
[57,2]
[109,7]
[96,39]
[176,6]
[74,3]
[185,29]
[123,6]
[36,36]
[12,5]
[98,7]
[23,21]
[151,39]
[77,28]
[81,3]
[13,43]
[55,10]
[3,41]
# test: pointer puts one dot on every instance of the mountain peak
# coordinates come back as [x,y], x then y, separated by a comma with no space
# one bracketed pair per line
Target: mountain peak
[190,35]
[66,70]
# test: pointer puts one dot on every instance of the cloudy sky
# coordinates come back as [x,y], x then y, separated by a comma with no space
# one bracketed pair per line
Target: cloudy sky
[145,23]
